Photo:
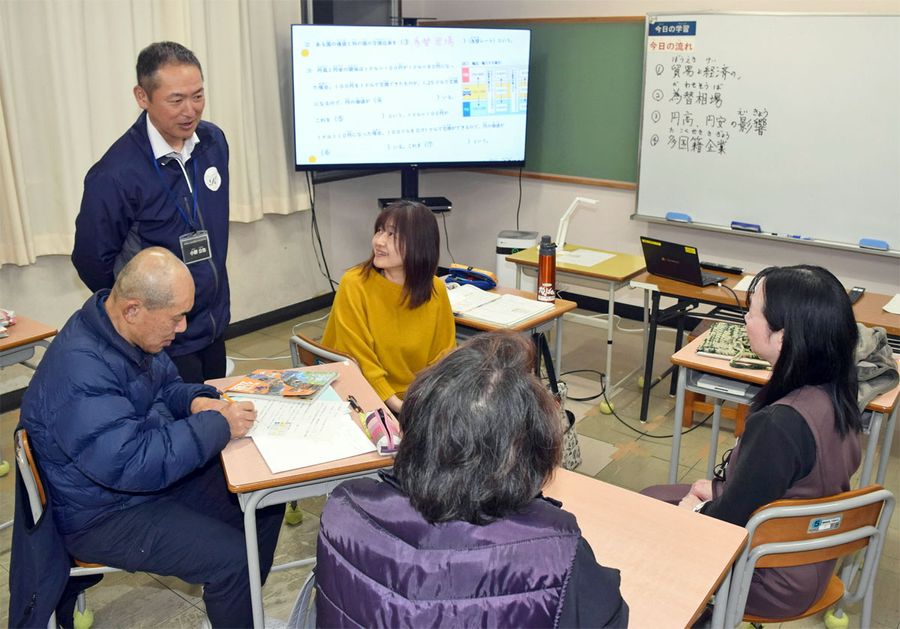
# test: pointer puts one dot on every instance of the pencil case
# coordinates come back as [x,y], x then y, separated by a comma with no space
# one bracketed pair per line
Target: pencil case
[384,431]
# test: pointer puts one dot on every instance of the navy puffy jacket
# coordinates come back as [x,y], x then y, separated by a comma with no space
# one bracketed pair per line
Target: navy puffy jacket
[126,207]
[110,424]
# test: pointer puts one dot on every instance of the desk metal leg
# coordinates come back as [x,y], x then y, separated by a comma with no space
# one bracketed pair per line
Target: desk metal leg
[518,277]
[557,341]
[648,364]
[714,437]
[886,445]
[868,461]
[718,617]
[610,323]
[676,426]
[250,540]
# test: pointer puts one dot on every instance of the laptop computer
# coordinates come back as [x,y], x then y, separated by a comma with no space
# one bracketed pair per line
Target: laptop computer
[677,262]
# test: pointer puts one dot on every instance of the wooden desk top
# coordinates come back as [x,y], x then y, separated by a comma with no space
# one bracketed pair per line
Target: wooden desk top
[25,332]
[671,559]
[709,294]
[868,310]
[620,267]
[560,307]
[245,469]
[687,357]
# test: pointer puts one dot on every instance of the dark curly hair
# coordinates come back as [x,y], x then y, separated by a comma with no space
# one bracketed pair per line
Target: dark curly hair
[481,434]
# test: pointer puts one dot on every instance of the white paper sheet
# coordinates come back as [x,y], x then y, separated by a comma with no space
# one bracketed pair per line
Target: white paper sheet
[744,284]
[583,257]
[292,433]
[467,297]
[893,306]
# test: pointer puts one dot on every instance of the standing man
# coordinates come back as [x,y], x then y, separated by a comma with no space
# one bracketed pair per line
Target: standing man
[129,453]
[165,183]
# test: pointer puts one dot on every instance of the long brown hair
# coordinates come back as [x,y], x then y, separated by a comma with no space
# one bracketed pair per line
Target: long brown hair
[418,242]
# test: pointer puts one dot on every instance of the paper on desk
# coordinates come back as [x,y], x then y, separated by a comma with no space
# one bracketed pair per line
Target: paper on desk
[294,433]
[583,257]
[744,284]
[467,297]
[893,306]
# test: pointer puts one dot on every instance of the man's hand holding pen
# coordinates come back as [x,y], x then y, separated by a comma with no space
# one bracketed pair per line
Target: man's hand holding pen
[240,416]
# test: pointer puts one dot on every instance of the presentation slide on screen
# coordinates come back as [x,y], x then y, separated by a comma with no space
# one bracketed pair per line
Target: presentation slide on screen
[406,95]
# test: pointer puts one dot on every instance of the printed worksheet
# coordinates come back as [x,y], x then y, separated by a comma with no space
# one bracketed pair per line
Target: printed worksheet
[291,434]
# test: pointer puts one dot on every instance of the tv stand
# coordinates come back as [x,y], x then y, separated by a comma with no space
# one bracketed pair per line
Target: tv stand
[409,191]
[435,204]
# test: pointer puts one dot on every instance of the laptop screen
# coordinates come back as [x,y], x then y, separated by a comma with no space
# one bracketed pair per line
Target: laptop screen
[672,260]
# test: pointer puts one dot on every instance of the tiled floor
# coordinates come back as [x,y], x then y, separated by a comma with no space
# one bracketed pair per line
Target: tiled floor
[614,450]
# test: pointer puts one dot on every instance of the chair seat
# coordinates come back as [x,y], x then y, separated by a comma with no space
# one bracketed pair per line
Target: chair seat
[85,564]
[833,593]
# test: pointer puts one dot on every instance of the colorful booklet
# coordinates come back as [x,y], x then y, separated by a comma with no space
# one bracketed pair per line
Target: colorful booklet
[298,383]
[729,342]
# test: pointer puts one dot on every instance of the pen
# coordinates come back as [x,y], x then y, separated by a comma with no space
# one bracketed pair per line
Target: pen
[226,398]
[361,413]
[354,404]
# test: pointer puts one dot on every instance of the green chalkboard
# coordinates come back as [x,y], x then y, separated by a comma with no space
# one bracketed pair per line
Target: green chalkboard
[584,99]
[584,96]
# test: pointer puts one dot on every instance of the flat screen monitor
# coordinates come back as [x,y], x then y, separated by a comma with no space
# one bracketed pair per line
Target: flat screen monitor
[393,96]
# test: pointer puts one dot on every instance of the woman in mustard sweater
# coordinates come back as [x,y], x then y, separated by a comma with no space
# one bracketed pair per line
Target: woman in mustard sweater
[391,313]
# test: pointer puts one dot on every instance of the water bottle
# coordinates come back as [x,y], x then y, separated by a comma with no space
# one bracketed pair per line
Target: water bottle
[546,288]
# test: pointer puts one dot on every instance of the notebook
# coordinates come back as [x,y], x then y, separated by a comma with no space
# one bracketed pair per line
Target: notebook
[677,262]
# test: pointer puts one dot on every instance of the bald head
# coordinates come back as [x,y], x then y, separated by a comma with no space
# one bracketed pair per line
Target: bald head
[151,277]
[151,298]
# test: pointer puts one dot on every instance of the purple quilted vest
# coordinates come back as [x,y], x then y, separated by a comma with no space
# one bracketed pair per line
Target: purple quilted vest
[784,592]
[381,564]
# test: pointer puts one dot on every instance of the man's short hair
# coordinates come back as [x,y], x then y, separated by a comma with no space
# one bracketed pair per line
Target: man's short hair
[158,54]
[148,277]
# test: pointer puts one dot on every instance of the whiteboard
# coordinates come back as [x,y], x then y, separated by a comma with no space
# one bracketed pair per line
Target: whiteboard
[789,122]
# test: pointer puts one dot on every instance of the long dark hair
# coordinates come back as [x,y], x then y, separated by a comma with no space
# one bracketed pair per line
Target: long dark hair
[418,241]
[481,434]
[819,341]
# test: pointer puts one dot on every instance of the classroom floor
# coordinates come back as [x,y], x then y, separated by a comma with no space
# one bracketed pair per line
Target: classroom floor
[612,452]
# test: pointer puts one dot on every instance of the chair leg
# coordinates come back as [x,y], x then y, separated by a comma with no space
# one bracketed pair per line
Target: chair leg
[83,617]
[293,515]
[740,415]
[690,398]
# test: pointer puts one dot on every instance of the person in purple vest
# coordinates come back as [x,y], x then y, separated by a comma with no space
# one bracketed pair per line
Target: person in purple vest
[802,436]
[460,534]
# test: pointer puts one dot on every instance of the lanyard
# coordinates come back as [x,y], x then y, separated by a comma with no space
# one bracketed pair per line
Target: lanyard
[195,215]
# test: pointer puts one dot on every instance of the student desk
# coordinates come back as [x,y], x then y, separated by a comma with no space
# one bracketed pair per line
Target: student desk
[672,560]
[868,311]
[24,336]
[534,324]
[693,366]
[256,487]
[611,274]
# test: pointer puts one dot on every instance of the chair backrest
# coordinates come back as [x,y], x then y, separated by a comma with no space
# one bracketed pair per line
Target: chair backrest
[776,524]
[799,532]
[305,351]
[30,476]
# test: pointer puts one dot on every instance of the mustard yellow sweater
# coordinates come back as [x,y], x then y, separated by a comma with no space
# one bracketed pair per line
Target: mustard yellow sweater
[390,341]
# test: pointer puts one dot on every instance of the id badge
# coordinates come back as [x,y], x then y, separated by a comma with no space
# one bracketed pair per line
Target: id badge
[195,247]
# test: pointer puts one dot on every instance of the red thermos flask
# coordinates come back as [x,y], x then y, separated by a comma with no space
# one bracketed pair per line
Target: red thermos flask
[546,288]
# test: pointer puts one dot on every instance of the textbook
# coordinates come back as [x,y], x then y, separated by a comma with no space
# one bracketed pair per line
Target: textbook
[501,309]
[284,382]
[728,341]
